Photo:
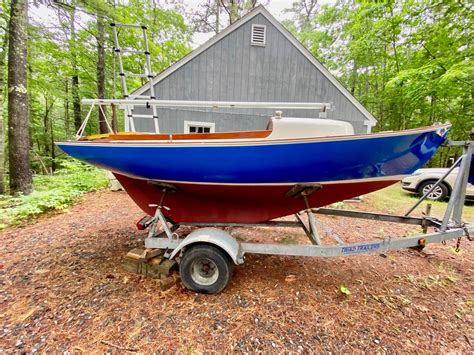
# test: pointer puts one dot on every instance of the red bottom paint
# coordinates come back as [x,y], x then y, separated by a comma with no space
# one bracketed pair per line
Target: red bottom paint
[237,204]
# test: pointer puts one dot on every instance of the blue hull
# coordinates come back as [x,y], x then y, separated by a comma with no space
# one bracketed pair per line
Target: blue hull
[285,162]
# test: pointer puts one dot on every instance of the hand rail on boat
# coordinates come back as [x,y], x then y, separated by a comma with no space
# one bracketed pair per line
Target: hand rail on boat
[211,104]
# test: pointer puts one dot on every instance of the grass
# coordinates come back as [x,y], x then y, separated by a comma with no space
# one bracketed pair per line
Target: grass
[394,199]
[52,192]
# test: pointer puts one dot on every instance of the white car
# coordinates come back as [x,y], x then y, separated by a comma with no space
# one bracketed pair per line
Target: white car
[422,180]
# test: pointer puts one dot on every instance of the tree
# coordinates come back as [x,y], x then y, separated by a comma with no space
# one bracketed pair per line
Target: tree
[2,134]
[18,120]
[70,57]
[409,63]
[3,55]
[304,12]
[75,71]
[207,17]
[101,71]
[47,68]
[235,9]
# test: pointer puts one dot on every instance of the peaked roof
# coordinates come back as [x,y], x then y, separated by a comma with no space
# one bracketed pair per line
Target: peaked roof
[257,11]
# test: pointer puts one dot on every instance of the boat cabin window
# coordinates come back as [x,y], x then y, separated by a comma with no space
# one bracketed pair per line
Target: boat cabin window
[199,127]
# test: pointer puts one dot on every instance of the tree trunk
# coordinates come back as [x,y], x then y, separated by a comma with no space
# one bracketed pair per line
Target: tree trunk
[233,12]
[101,71]
[53,147]
[46,125]
[76,103]
[397,66]
[218,10]
[114,119]
[48,129]
[354,78]
[18,120]
[66,108]
[2,133]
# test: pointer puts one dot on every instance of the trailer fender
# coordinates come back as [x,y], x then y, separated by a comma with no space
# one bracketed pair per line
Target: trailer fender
[215,236]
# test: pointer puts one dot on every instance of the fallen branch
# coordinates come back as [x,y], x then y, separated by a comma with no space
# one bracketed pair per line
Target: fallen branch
[106,342]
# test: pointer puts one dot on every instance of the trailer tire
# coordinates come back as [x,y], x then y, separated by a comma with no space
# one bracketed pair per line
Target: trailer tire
[205,269]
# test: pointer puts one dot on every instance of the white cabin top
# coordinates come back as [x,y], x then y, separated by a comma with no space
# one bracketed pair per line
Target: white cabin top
[292,127]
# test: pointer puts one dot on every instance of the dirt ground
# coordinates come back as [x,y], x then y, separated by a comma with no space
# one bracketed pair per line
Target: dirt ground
[63,289]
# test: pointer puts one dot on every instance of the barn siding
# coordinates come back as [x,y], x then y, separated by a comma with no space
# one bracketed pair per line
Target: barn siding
[234,70]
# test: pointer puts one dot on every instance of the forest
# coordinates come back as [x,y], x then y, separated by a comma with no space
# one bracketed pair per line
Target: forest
[410,63]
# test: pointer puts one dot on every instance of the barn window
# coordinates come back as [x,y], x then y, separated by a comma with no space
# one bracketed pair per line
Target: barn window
[259,35]
[199,127]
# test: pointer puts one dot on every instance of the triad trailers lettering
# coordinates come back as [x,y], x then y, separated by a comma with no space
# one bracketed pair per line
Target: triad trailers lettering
[360,248]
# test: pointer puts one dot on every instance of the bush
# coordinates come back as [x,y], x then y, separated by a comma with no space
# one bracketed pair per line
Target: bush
[52,192]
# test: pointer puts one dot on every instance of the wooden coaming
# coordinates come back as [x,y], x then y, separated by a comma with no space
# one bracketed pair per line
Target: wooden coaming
[180,136]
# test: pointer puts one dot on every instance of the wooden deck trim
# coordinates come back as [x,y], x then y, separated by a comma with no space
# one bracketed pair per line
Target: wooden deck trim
[179,136]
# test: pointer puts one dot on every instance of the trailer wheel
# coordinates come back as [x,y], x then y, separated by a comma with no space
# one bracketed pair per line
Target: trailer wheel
[205,269]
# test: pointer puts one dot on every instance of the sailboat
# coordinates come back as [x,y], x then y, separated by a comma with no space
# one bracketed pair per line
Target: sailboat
[256,176]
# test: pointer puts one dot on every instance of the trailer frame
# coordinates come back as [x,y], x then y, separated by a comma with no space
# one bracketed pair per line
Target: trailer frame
[163,232]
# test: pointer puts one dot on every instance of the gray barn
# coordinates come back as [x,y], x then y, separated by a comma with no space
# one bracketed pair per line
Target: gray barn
[254,59]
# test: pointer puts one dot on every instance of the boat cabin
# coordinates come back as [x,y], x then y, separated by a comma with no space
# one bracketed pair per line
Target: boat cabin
[277,129]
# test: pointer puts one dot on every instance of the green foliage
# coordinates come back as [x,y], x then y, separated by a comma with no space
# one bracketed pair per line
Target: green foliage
[339,205]
[53,50]
[52,192]
[409,62]
[455,252]
[394,199]
[344,290]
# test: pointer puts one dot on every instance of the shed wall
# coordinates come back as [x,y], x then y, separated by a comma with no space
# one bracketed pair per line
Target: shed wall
[234,70]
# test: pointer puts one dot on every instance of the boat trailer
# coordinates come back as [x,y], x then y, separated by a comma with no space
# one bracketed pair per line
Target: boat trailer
[207,254]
